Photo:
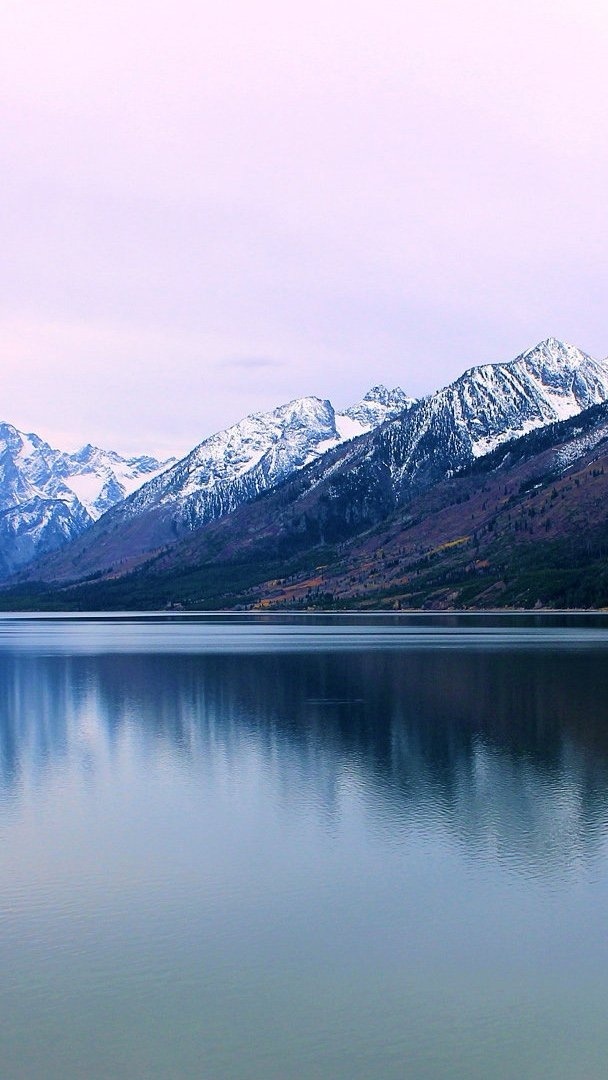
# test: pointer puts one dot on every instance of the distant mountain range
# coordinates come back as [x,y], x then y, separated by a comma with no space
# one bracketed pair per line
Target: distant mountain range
[48,497]
[303,486]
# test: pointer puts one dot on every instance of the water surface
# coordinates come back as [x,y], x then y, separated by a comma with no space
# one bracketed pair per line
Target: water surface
[247,849]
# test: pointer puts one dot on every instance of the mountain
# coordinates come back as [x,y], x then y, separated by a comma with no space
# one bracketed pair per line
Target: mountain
[227,469]
[236,465]
[523,526]
[102,478]
[48,497]
[486,406]
[450,429]
[378,405]
[534,502]
[328,489]
[355,486]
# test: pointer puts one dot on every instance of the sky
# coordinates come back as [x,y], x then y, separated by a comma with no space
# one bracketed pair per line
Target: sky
[210,209]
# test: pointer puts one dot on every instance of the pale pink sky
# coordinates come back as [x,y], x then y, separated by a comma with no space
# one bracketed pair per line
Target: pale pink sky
[210,209]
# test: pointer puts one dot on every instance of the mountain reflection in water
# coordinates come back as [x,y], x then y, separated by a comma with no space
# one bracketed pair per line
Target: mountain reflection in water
[297,849]
[508,749]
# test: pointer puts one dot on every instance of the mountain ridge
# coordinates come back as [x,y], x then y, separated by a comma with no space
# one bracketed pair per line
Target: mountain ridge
[523,526]
[230,467]
[357,465]
[347,484]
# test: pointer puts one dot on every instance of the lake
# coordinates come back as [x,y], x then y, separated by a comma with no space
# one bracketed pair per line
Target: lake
[248,848]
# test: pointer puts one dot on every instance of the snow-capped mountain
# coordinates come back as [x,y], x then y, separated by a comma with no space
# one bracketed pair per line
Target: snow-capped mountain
[551,382]
[101,478]
[357,484]
[486,406]
[232,467]
[48,496]
[402,448]
[378,405]
[239,463]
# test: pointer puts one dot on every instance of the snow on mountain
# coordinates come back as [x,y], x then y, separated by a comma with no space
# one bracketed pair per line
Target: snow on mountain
[48,497]
[101,478]
[225,470]
[379,405]
[437,436]
[488,405]
[550,382]
[239,463]
[382,451]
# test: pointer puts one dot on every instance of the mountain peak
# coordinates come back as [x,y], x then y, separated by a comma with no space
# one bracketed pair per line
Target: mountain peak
[384,396]
[552,343]
[550,361]
[557,352]
[310,408]
[377,405]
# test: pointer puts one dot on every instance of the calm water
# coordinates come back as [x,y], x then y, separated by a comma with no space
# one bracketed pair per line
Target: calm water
[245,850]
